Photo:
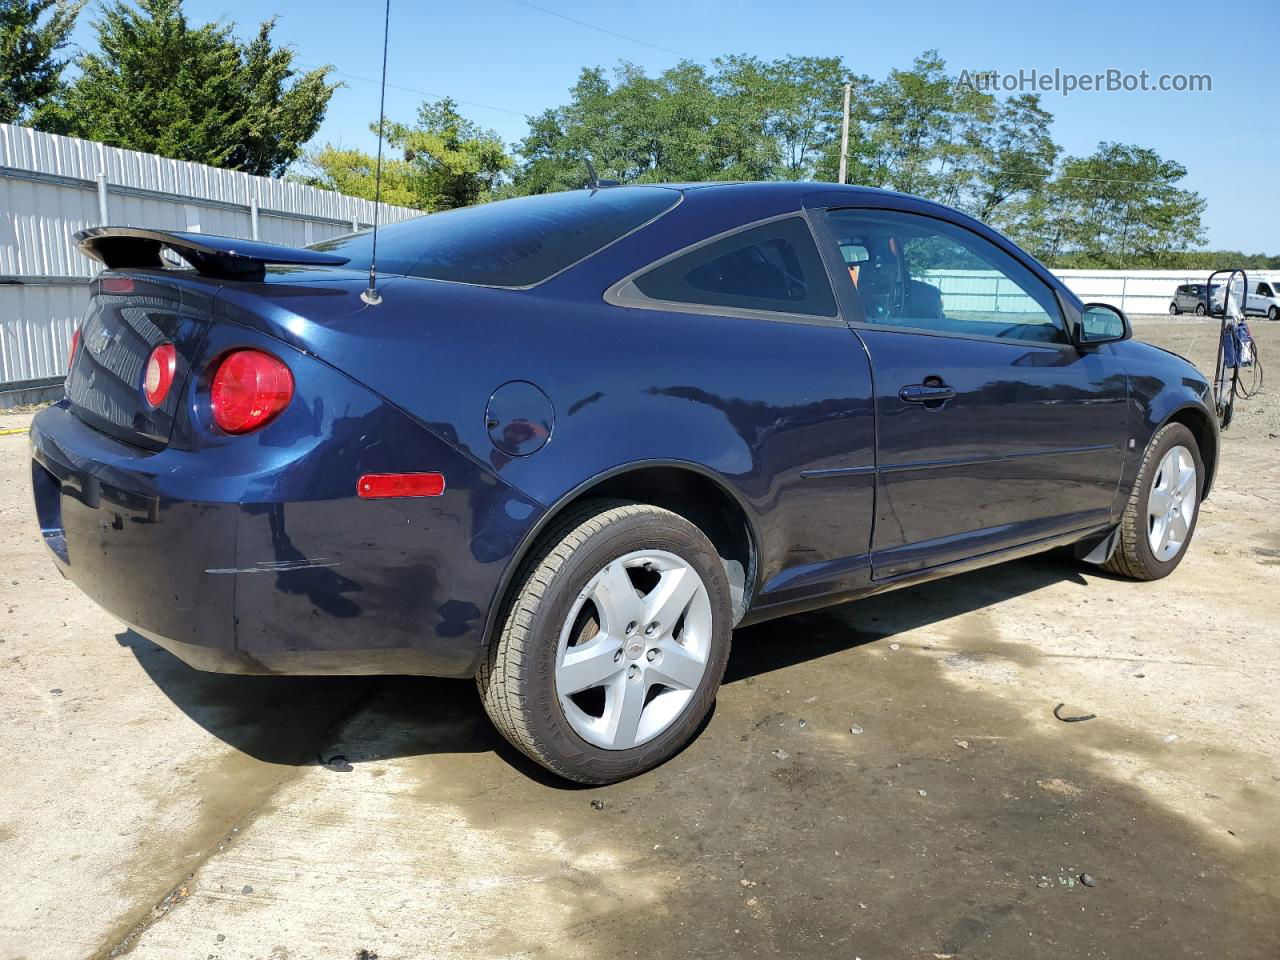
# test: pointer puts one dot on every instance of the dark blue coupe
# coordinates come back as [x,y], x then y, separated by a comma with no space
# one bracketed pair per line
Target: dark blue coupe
[585,435]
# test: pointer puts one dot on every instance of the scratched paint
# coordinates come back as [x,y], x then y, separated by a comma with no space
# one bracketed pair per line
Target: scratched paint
[270,566]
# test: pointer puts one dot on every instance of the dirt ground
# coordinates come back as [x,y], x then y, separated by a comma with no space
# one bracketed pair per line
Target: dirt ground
[148,808]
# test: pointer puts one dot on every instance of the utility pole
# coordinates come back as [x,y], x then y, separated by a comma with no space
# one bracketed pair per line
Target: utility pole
[844,135]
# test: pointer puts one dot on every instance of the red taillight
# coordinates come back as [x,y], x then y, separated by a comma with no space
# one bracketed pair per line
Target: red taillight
[249,388]
[160,368]
[375,486]
[75,345]
[117,285]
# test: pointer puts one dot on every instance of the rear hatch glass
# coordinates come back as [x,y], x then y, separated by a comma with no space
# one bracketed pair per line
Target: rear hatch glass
[128,317]
[508,243]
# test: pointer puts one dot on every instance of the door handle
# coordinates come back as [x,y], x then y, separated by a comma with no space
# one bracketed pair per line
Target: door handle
[926,393]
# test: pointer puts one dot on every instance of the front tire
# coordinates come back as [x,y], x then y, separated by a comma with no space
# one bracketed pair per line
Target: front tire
[613,643]
[1199,309]
[1173,310]
[1160,517]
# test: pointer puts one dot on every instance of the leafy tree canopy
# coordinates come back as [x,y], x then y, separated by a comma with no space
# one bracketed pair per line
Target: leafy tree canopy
[918,130]
[444,161]
[31,34]
[1121,206]
[160,85]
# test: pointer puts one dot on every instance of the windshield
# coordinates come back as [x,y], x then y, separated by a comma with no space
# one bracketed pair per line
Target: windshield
[508,243]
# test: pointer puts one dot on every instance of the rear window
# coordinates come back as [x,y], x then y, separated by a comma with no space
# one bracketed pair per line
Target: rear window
[508,243]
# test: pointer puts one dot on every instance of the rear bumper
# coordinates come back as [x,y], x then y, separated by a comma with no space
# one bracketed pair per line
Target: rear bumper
[171,543]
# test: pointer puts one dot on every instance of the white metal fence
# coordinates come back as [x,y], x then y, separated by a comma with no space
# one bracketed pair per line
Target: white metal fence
[1133,291]
[1141,291]
[52,186]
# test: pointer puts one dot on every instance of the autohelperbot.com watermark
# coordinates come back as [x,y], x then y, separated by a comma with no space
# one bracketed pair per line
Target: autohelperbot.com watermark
[1065,82]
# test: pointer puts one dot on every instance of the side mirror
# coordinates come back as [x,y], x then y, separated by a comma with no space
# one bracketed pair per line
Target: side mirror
[1101,323]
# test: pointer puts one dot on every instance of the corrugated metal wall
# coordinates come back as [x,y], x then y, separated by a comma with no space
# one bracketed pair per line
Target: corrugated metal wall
[49,189]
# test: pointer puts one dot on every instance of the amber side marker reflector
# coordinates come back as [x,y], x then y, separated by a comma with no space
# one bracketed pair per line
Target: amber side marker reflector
[377,486]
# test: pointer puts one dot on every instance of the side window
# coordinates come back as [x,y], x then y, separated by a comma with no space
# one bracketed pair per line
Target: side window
[920,272]
[774,267]
[1264,290]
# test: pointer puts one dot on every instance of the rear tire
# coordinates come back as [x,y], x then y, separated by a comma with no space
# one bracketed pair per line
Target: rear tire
[1160,516]
[584,677]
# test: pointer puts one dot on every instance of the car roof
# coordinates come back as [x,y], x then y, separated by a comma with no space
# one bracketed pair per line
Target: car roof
[768,188]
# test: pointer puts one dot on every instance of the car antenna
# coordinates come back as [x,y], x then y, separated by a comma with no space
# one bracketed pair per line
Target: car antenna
[371,296]
[593,180]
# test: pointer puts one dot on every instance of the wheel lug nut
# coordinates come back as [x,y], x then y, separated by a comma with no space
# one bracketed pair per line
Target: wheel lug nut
[651,629]
[652,655]
[617,656]
[632,672]
[631,627]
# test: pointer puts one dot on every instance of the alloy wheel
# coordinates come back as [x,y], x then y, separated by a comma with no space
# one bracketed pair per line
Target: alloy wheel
[633,650]
[1171,504]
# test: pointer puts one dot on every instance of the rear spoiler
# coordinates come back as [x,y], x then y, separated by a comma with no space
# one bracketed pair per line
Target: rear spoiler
[223,257]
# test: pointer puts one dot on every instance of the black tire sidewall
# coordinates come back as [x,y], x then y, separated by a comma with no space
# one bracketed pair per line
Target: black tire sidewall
[1273,313]
[1200,310]
[1175,436]
[569,753]
[1173,310]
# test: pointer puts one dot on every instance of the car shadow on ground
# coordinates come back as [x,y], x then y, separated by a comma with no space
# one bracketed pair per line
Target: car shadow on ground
[298,720]
[781,643]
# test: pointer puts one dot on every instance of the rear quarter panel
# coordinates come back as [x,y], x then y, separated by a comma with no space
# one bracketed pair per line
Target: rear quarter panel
[757,403]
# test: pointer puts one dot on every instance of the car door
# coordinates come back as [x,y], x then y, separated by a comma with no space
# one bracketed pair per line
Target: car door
[1259,298]
[992,428]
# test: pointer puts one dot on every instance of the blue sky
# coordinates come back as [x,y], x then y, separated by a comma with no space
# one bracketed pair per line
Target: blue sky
[504,60]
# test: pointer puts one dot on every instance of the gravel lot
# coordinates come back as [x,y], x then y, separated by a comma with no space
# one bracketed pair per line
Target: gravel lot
[145,807]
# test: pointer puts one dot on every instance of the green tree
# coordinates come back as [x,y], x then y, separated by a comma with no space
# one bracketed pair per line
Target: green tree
[796,101]
[354,173]
[675,126]
[30,70]
[444,161]
[1122,207]
[453,162]
[1019,156]
[915,131]
[159,85]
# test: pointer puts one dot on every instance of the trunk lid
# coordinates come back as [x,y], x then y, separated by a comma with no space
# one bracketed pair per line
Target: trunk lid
[140,304]
[129,316]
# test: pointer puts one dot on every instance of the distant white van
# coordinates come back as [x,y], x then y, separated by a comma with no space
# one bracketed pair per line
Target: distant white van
[1263,299]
